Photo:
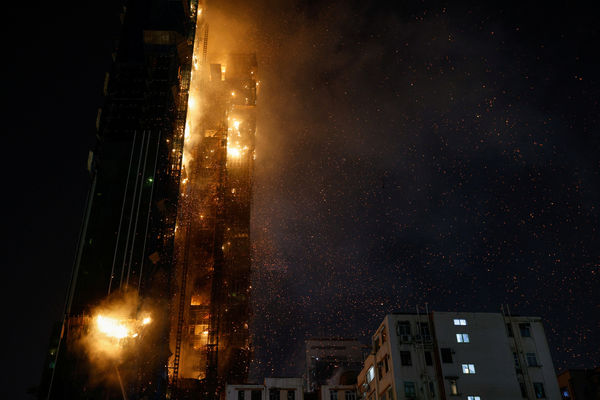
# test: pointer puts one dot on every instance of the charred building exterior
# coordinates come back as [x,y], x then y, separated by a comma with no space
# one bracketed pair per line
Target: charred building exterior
[168,212]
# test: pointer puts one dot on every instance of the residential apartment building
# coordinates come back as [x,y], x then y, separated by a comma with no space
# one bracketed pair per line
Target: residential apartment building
[449,355]
[272,389]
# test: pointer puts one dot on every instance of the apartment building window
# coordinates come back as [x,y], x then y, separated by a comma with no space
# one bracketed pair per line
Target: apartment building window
[410,390]
[382,396]
[538,389]
[525,330]
[275,394]
[564,392]
[385,363]
[349,395]
[531,360]
[376,344]
[390,394]
[291,395]
[333,395]
[370,374]
[380,370]
[460,322]
[473,398]
[256,395]
[241,395]
[403,328]
[383,336]
[453,387]
[425,329]
[462,337]
[405,358]
[446,355]
[468,369]
[428,358]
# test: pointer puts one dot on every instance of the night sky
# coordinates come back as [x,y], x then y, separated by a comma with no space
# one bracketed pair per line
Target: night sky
[419,153]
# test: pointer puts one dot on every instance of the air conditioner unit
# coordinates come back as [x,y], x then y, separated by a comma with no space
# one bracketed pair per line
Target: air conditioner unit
[405,338]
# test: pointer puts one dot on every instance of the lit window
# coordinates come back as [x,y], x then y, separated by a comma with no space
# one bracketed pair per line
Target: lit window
[462,337]
[473,398]
[453,387]
[461,322]
[370,374]
[468,368]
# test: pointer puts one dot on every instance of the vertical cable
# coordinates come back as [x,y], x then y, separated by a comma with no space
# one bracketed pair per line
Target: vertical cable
[137,213]
[112,271]
[149,209]
[137,177]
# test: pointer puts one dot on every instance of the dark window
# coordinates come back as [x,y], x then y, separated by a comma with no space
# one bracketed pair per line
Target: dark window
[385,363]
[274,394]
[291,395]
[509,330]
[376,344]
[525,330]
[428,358]
[380,370]
[390,394]
[383,336]
[349,395]
[403,328]
[446,355]
[256,395]
[532,360]
[410,390]
[425,329]
[405,358]
[431,389]
[333,395]
[538,389]
[516,358]
[241,394]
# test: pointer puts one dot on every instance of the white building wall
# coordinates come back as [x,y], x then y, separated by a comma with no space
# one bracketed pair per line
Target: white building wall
[488,351]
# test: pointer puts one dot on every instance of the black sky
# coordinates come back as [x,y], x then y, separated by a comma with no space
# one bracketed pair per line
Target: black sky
[421,152]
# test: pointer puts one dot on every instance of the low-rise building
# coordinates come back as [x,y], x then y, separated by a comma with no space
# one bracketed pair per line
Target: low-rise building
[272,389]
[449,355]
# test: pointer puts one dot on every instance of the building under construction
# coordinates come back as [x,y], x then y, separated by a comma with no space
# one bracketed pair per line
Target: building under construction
[167,219]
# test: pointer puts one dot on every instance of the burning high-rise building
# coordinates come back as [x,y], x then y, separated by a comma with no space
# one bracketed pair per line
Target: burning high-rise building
[162,268]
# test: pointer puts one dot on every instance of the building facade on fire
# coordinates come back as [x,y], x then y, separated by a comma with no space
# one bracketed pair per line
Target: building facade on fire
[168,211]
